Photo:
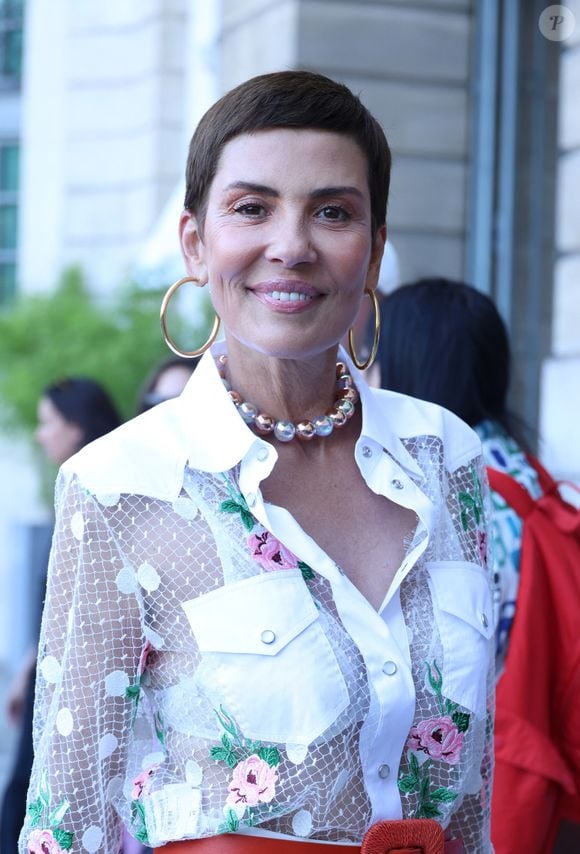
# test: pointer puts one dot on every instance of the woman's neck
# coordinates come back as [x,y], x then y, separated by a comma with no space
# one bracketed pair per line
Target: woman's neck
[292,389]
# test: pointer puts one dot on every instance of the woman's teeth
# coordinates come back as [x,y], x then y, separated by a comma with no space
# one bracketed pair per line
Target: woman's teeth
[293,296]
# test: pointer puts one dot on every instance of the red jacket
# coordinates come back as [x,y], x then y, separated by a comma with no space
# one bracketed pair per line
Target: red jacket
[537,743]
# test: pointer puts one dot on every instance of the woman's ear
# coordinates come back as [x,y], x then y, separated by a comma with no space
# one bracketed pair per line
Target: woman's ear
[192,247]
[376,258]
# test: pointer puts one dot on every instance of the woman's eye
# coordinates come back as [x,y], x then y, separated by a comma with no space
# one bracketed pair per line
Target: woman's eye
[250,210]
[334,212]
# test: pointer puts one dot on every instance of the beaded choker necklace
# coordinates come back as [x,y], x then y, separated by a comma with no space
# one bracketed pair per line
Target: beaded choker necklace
[322,425]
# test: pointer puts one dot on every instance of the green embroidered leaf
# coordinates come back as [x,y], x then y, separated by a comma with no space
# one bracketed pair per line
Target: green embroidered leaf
[407,783]
[428,810]
[226,742]
[450,707]
[424,788]
[221,754]
[269,755]
[230,506]
[138,811]
[461,720]
[58,814]
[436,682]
[414,762]
[141,835]
[63,837]
[247,520]
[442,795]
[133,691]
[159,731]
[226,722]
[44,789]
[232,821]
[307,571]
[35,810]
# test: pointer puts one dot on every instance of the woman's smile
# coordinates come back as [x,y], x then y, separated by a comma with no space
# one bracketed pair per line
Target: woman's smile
[288,297]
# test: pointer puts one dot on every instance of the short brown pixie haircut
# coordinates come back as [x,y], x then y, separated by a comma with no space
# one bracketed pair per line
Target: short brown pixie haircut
[287,99]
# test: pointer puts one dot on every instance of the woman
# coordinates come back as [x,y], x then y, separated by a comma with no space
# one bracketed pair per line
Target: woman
[445,342]
[281,610]
[71,413]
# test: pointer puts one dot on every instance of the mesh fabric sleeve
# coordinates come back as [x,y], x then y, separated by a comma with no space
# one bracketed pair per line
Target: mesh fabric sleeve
[90,647]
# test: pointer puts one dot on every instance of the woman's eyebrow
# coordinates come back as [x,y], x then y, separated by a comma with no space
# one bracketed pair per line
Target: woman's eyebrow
[252,188]
[322,192]
[336,191]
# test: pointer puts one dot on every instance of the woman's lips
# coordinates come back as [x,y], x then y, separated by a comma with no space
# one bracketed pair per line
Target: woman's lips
[286,297]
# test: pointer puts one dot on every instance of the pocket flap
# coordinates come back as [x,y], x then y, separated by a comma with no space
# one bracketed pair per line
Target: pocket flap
[462,589]
[259,615]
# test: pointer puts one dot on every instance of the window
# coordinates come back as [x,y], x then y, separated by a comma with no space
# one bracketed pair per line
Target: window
[9,156]
[10,43]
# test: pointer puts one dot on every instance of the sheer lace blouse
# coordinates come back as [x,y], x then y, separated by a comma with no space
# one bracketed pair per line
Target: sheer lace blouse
[205,667]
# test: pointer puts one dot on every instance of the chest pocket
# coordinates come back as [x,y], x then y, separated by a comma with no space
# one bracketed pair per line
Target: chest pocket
[464,615]
[266,658]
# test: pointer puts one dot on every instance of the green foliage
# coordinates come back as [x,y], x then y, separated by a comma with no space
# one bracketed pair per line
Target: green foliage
[44,337]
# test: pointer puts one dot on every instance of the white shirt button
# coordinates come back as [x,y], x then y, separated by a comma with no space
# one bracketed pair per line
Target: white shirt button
[267,636]
[251,499]
[384,771]
[484,621]
[389,668]
[397,484]
[366,451]
[263,454]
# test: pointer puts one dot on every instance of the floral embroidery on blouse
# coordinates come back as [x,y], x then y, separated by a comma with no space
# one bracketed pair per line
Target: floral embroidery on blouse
[268,552]
[133,692]
[47,837]
[254,775]
[236,503]
[436,739]
[141,787]
[472,502]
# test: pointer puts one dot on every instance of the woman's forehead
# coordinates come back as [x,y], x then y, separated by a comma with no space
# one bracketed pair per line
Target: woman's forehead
[282,155]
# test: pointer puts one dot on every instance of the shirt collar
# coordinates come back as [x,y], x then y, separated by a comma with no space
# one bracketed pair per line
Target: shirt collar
[202,428]
[379,422]
[219,439]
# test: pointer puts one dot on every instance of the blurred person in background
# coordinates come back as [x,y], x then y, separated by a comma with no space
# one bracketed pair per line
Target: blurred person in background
[444,341]
[71,413]
[166,381]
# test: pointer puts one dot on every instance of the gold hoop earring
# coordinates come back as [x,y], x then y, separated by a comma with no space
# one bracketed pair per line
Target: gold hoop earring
[362,366]
[185,354]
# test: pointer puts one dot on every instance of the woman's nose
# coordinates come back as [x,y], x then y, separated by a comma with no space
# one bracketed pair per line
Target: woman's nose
[291,242]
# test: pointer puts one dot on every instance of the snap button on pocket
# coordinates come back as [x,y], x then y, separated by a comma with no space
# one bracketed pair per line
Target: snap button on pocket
[267,679]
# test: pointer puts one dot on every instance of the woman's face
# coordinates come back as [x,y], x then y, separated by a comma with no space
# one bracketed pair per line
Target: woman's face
[58,438]
[286,243]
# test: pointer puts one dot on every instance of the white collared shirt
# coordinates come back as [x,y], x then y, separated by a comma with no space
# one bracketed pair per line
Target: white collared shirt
[205,666]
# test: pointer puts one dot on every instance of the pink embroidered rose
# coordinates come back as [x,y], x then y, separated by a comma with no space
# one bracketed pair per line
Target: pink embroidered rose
[270,553]
[482,546]
[142,783]
[439,738]
[253,781]
[145,653]
[43,842]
